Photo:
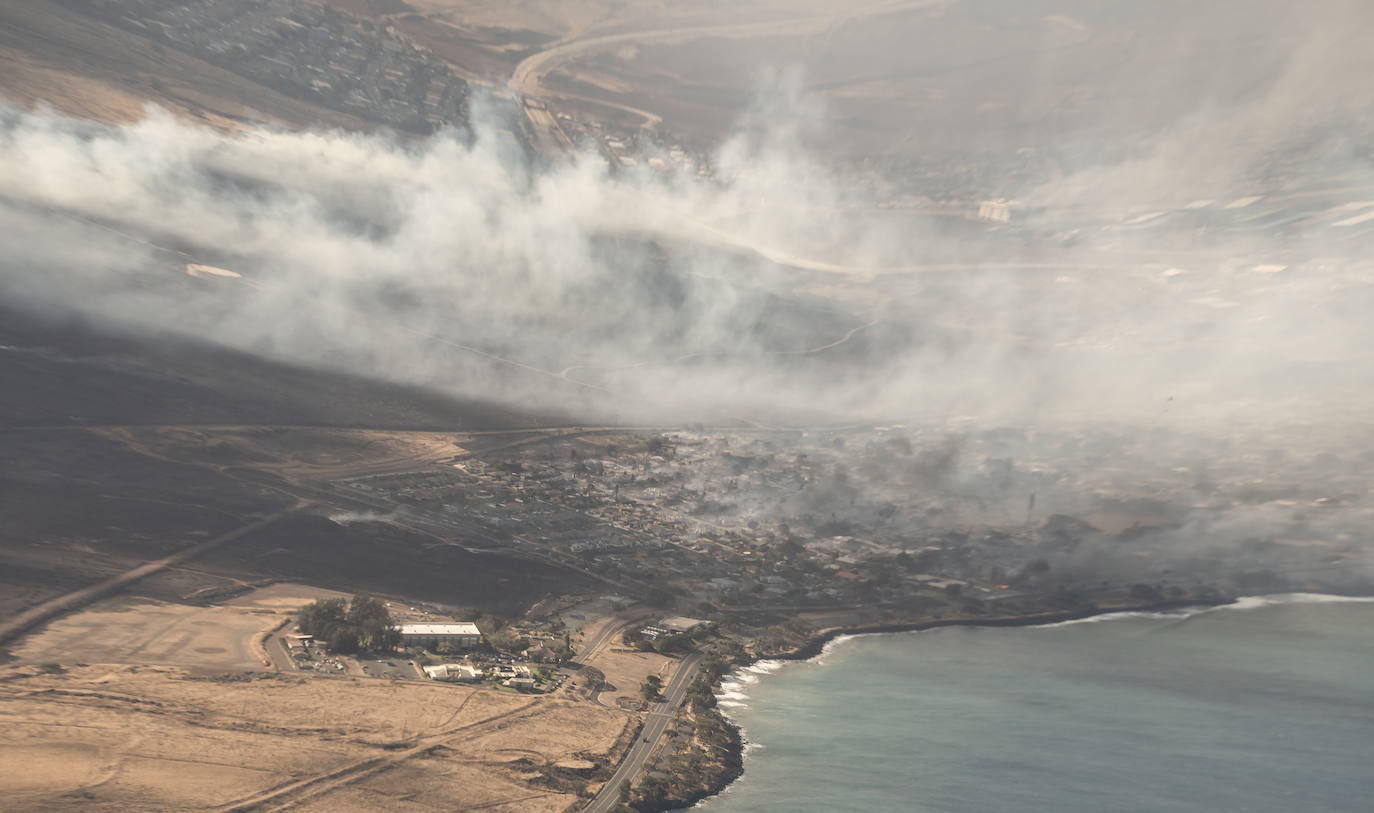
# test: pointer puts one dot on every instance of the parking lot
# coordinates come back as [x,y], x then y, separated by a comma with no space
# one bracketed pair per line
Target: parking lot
[395,668]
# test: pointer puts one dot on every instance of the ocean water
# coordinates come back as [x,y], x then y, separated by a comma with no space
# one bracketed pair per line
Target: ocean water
[1263,707]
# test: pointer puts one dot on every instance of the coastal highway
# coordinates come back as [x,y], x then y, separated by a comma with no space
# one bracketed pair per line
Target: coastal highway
[593,647]
[654,725]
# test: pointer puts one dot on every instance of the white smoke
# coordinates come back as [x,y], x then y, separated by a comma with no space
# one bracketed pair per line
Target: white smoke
[452,264]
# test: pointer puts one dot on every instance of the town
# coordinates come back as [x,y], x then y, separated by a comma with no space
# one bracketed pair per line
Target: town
[425,405]
[824,521]
[308,50]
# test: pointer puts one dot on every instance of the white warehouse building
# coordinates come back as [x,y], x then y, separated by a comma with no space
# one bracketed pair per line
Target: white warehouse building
[430,636]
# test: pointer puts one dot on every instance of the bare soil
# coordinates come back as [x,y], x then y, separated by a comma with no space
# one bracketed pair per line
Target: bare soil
[122,737]
[137,630]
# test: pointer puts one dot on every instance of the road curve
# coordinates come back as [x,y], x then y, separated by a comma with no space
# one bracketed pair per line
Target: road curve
[654,725]
[527,75]
[526,81]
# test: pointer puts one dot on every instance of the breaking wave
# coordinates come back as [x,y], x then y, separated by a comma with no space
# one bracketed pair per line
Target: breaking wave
[830,645]
[766,667]
[1243,603]
[733,691]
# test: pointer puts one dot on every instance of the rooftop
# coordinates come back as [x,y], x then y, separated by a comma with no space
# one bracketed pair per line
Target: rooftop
[439,629]
[680,623]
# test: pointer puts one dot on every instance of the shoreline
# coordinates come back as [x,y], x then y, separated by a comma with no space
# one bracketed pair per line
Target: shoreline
[815,646]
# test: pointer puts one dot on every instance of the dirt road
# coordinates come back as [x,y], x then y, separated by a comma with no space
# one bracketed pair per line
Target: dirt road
[48,610]
[310,787]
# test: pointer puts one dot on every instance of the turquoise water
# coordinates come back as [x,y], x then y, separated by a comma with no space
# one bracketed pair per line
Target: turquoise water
[1264,707]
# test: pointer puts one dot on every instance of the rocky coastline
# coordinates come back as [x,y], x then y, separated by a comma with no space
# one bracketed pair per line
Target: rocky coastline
[731,766]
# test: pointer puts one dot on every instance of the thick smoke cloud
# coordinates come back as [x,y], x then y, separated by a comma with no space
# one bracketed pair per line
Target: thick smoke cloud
[774,289]
[1201,286]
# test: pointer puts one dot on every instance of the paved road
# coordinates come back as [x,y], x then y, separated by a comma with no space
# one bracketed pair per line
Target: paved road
[591,648]
[657,721]
[527,79]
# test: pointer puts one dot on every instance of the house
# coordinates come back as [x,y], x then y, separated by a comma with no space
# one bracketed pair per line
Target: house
[460,672]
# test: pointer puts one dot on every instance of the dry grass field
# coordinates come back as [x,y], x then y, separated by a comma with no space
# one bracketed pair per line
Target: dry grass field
[294,452]
[137,630]
[625,669]
[126,737]
[139,704]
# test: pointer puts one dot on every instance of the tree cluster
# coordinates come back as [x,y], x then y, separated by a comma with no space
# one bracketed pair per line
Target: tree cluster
[347,627]
[652,688]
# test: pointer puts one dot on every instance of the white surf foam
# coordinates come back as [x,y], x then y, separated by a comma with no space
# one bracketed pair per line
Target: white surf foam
[837,641]
[1094,619]
[732,693]
[765,667]
[1243,603]
[1255,602]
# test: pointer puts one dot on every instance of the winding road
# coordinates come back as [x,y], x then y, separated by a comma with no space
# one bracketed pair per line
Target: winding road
[527,79]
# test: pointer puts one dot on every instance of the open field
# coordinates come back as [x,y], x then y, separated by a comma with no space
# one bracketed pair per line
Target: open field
[296,452]
[84,503]
[80,509]
[134,630]
[55,374]
[625,669]
[114,737]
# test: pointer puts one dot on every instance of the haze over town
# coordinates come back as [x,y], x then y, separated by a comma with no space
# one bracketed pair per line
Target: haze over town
[584,352]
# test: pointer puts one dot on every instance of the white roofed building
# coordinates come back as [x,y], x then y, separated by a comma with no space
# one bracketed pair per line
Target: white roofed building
[454,671]
[429,636]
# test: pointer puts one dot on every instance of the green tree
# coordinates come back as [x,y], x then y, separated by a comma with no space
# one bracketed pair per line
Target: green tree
[344,640]
[652,688]
[371,620]
[668,644]
[507,641]
[319,618]
[346,627]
